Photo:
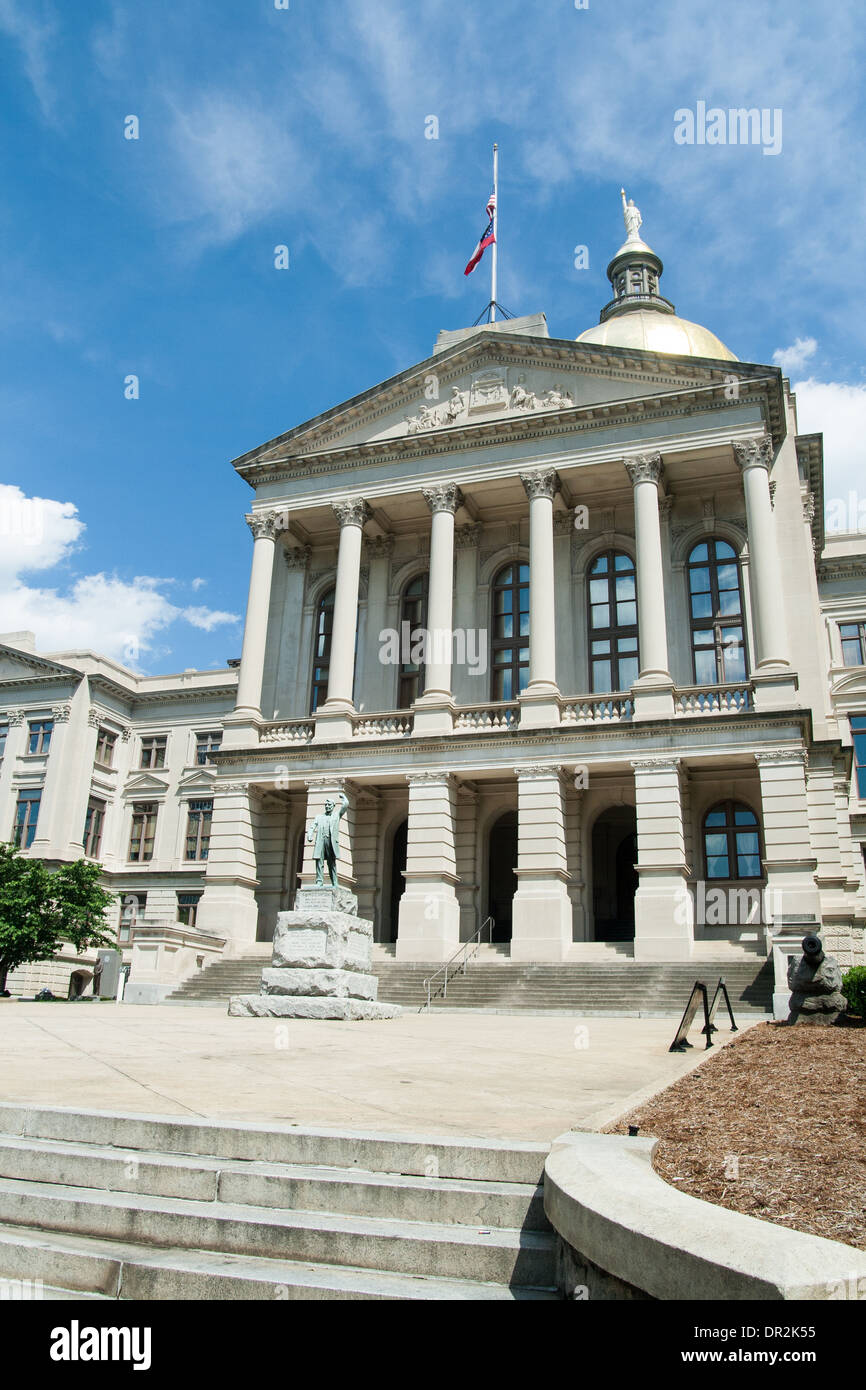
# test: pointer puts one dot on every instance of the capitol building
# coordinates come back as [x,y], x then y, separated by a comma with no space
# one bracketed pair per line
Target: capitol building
[560,618]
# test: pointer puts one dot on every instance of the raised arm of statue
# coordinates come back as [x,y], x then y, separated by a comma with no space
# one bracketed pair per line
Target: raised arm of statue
[345,805]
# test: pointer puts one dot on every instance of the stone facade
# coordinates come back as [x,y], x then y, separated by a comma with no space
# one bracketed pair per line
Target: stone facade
[568,808]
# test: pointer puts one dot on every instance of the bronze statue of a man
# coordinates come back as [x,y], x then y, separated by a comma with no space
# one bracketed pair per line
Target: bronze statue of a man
[324,836]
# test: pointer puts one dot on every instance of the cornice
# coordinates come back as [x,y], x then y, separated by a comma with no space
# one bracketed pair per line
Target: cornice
[684,403]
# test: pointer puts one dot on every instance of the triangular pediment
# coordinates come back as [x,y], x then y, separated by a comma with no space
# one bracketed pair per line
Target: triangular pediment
[200,781]
[16,665]
[145,784]
[485,378]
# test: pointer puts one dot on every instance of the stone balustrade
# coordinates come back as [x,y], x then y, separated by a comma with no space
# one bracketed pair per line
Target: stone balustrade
[714,699]
[598,709]
[496,715]
[397,724]
[287,731]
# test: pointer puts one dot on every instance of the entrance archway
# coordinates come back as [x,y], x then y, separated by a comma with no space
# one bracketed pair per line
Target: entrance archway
[501,882]
[614,877]
[399,846]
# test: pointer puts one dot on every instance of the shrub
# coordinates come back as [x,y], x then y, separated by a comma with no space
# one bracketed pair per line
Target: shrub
[854,990]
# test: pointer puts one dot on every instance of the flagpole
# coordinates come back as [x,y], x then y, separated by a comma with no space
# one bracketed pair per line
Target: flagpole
[495,233]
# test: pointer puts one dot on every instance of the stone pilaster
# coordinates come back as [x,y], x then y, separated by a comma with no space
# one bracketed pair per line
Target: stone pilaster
[541,911]
[653,690]
[663,906]
[429,920]
[790,862]
[228,906]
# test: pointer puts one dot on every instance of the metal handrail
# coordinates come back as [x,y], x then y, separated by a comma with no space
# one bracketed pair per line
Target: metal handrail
[474,942]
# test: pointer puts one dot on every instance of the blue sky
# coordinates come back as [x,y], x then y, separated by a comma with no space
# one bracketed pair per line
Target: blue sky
[306,127]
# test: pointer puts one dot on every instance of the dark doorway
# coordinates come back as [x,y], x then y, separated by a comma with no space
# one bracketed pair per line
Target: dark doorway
[501,883]
[398,864]
[614,877]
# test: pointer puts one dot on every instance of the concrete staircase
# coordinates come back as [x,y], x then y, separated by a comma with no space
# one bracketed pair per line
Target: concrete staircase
[143,1207]
[613,985]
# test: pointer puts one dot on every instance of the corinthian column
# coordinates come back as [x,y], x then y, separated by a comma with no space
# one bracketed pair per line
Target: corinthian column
[653,691]
[539,703]
[333,722]
[773,680]
[265,527]
[433,709]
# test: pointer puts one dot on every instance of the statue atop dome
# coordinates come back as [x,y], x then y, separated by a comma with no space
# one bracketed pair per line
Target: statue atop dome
[632,217]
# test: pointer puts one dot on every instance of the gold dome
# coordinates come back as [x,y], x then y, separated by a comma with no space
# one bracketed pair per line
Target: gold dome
[656,332]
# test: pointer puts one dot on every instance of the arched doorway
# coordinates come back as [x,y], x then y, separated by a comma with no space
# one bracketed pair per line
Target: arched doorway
[399,846]
[501,882]
[614,877]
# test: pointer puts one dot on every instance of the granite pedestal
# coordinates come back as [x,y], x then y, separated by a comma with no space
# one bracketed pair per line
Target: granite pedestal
[321,963]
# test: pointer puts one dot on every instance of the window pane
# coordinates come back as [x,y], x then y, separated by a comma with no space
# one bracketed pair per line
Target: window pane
[724,551]
[700,552]
[524,574]
[715,818]
[505,576]
[743,816]
[598,591]
[601,676]
[729,602]
[600,615]
[702,606]
[628,672]
[504,625]
[599,566]
[749,865]
[717,866]
[699,581]
[601,648]
[623,562]
[628,644]
[705,667]
[524,625]
[626,614]
[625,587]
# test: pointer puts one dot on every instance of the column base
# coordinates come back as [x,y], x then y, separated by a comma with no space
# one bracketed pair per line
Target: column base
[435,716]
[775,689]
[241,729]
[428,926]
[541,920]
[653,698]
[664,917]
[539,706]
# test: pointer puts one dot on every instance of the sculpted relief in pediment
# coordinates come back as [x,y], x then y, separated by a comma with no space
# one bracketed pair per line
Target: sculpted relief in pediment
[494,391]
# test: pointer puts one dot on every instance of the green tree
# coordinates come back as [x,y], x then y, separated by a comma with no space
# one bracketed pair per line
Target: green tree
[42,908]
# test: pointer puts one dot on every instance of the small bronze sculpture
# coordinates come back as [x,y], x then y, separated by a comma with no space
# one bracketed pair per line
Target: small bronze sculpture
[324,835]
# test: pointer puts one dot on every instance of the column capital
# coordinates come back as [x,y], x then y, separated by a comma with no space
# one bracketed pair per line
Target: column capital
[379,547]
[425,778]
[60,713]
[644,468]
[328,784]
[354,511]
[266,524]
[535,771]
[94,718]
[15,716]
[465,537]
[753,453]
[298,557]
[541,482]
[443,497]
[656,764]
[769,757]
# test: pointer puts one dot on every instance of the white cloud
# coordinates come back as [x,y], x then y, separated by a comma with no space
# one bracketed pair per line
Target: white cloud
[103,612]
[33,36]
[795,357]
[839,411]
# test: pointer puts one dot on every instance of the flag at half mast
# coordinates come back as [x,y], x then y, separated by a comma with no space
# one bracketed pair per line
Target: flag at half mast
[487,239]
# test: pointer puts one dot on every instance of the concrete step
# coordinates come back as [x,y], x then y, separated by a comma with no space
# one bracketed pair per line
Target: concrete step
[94,1268]
[287,1186]
[491,1255]
[484,1160]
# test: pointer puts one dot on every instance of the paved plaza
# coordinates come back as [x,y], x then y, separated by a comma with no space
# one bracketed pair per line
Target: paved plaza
[491,1076]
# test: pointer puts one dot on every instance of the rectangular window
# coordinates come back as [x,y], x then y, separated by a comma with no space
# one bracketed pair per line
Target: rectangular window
[93,822]
[858,730]
[206,744]
[132,909]
[4,734]
[187,908]
[143,831]
[853,643]
[198,829]
[153,750]
[40,735]
[105,747]
[26,816]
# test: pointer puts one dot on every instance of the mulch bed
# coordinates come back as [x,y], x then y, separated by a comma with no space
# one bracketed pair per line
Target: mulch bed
[774,1126]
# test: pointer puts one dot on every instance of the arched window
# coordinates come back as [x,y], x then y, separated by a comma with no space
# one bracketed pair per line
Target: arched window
[510,645]
[612,622]
[716,599]
[413,615]
[322,650]
[732,846]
